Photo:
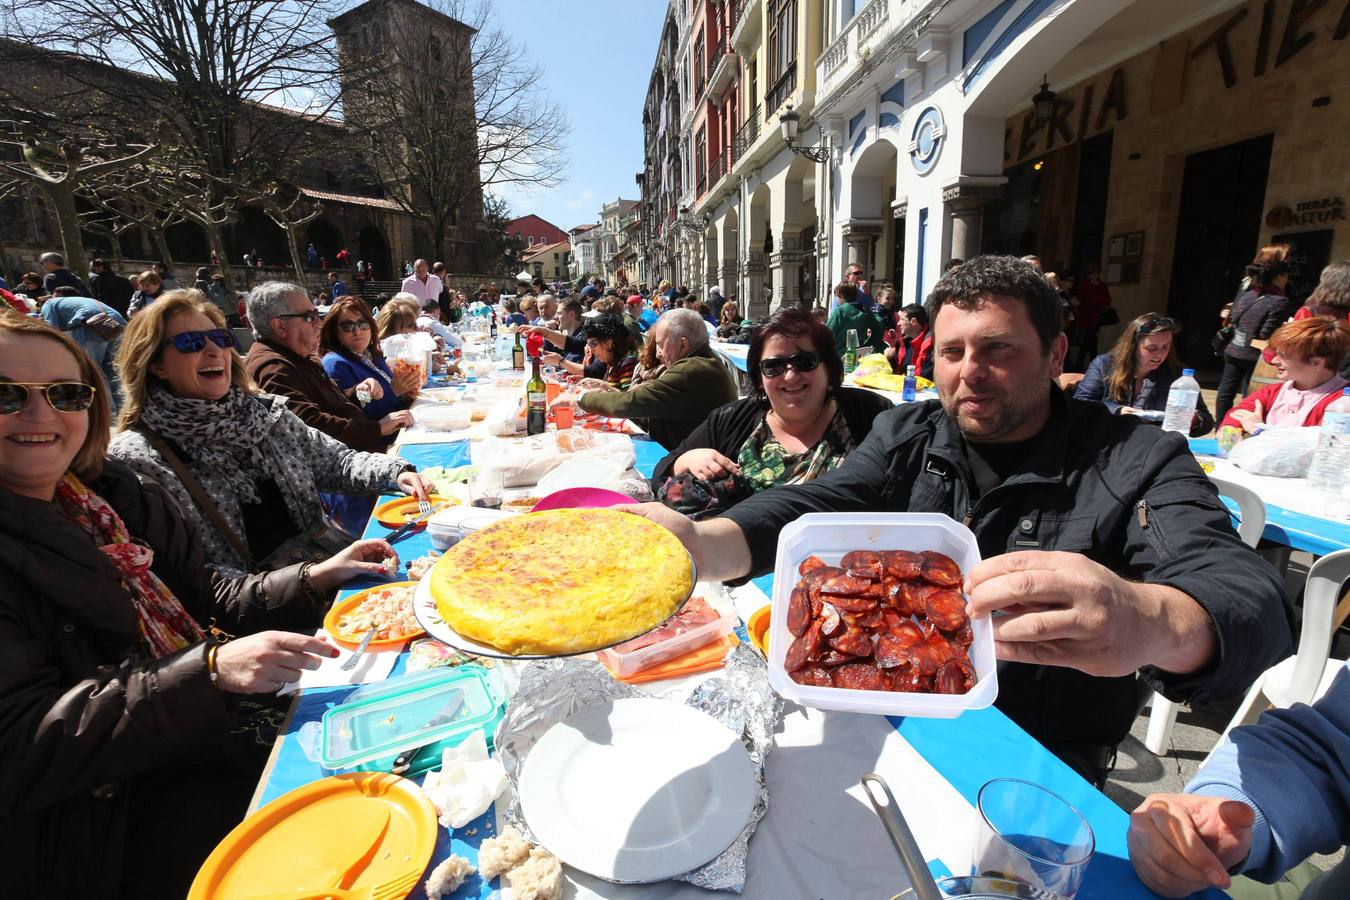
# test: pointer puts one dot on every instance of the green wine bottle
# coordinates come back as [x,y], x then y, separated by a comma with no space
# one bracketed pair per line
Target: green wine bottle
[536,400]
[518,354]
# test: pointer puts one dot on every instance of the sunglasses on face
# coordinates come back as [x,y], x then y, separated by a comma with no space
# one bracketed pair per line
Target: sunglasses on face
[351,327]
[311,316]
[1157,323]
[62,396]
[774,366]
[195,341]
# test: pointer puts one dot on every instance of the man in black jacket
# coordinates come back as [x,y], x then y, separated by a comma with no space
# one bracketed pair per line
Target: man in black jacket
[111,288]
[55,275]
[1107,551]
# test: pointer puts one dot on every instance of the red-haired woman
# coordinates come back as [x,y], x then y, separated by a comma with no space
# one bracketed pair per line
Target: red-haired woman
[798,422]
[1307,355]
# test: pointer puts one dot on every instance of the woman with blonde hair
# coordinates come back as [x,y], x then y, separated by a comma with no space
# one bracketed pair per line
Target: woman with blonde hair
[245,470]
[397,317]
[1135,376]
[120,703]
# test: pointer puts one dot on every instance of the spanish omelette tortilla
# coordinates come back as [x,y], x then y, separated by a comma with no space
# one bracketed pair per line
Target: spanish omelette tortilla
[562,581]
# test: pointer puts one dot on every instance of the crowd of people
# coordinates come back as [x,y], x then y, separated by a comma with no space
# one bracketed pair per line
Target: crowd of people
[163,489]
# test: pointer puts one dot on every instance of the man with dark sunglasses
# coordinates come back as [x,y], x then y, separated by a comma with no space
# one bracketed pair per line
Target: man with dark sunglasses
[283,361]
[1108,554]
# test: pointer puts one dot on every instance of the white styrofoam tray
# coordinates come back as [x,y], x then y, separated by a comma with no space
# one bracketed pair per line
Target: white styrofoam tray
[830,536]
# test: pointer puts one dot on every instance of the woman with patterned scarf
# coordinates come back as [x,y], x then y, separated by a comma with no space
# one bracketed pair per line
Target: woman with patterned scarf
[123,759]
[246,471]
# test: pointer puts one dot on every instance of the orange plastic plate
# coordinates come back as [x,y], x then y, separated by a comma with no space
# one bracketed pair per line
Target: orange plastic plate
[297,843]
[340,608]
[392,513]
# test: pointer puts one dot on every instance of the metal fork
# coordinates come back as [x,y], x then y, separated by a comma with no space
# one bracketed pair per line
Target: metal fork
[424,506]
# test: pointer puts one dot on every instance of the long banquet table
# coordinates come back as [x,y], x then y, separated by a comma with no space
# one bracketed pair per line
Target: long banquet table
[820,837]
[1296,516]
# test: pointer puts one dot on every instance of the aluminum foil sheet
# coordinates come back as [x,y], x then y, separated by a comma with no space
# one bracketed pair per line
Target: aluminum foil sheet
[739,697]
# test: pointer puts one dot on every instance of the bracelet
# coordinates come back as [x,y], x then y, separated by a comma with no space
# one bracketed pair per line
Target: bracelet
[307,585]
[211,649]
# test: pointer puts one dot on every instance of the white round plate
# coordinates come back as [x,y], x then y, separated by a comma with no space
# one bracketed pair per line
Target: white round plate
[429,617]
[637,790]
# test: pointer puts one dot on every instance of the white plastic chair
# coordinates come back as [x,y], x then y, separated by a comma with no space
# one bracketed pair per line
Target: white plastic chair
[1251,524]
[1305,676]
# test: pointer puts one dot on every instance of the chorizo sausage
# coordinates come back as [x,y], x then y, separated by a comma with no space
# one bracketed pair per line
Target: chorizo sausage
[852,605]
[803,648]
[854,641]
[810,564]
[857,677]
[831,623]
[799,612]
[815,676]
[844,583]
[902,564]
[946,609]
[955,676]
[940,569]
[862,564]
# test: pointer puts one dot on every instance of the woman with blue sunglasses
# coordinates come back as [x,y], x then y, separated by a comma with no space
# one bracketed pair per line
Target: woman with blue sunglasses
[246,470]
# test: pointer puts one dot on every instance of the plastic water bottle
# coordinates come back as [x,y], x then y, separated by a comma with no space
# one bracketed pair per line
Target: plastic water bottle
[910,390]
[1330,469]
[1181,403]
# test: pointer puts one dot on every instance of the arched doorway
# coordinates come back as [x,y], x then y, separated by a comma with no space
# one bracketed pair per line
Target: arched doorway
[374,249]
[188,244]
[256,232]
[325,237]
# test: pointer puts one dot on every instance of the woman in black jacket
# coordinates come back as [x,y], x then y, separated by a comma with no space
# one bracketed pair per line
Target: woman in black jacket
[1256,313]
[798,422]
[125,745]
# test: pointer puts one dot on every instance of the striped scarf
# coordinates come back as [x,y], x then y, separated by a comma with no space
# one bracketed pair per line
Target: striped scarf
[164,624]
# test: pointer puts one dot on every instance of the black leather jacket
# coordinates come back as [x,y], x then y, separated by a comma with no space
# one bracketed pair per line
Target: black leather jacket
[91,733]
[1120,491]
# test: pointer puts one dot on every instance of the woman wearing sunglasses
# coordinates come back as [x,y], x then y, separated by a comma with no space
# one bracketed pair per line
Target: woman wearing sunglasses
[246,471]
[352,358]
[798,422]
[1135,376]
[123,758]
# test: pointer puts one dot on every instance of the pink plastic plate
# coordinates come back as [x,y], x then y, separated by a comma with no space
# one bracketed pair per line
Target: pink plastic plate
[581,498]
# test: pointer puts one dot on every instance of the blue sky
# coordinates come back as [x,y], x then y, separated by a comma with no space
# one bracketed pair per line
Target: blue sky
[594,58]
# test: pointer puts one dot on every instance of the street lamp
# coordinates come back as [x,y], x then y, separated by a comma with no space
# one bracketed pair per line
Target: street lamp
[789,122]
[1044,103]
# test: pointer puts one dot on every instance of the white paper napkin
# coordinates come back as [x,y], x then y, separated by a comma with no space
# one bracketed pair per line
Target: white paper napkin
[467,783]
[375,665]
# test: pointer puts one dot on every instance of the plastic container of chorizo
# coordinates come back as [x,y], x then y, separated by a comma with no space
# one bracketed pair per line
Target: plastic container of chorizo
[830,536]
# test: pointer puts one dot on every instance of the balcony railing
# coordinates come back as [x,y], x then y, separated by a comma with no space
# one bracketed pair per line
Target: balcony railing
[702,185]
[717,169]
[715,54]
[746,136]
[782,89]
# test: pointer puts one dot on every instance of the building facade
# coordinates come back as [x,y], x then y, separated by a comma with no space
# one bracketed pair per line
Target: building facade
[582,262]
[337,170]
[1162,142]
[533,230]
[548,261]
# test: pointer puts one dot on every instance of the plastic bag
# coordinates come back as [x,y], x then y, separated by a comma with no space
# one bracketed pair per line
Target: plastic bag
[873,364]
[524,463]
[1279,452]
[409,351]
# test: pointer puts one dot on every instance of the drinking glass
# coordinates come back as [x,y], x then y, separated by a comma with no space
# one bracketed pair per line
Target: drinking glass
[1029,834]
[485,491]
